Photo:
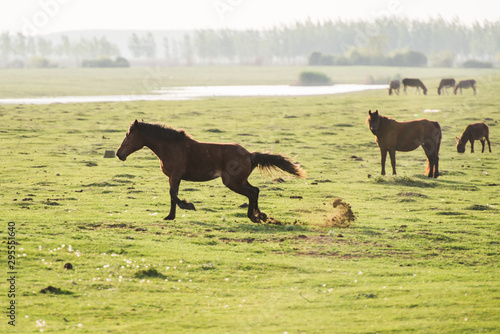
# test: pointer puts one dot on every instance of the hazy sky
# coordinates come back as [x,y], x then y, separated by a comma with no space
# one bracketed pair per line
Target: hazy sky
[47,16]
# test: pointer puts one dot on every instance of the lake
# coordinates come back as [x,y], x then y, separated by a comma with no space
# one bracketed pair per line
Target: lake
[200,92]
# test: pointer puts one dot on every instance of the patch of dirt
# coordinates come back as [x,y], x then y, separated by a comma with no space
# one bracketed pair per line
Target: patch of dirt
[55,291]
[412,194]
[342,215]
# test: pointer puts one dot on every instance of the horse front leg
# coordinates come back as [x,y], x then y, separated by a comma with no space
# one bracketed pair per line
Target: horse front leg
[174,199]
[174,189]
[392,154]
[482,144]
[383,156]
[471,146]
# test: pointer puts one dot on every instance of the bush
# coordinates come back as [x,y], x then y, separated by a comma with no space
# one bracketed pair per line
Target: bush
[314,79]
[40,62]
[410,58]
[106,62]
[477,64]
[319,59]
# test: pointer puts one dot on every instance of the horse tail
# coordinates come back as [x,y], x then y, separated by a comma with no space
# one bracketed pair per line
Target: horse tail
[438,137]
[269,162]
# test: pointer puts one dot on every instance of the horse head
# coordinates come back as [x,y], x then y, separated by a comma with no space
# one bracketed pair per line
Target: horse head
[373,121]
[132,142]
[460,145]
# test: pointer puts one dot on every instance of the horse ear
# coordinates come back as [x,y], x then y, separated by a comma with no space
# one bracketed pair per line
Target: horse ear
[136,122]
[369,112]
[376,112]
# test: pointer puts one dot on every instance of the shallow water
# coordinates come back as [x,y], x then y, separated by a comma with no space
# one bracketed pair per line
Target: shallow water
[199,92]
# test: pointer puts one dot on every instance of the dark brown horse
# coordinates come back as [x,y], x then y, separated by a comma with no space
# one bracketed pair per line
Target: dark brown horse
[395,136]
[474,131]
[446,83]
[183,158]
[466,84]
[414,83]
[394,85]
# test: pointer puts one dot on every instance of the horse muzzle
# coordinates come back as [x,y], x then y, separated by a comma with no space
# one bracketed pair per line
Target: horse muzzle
[121,156]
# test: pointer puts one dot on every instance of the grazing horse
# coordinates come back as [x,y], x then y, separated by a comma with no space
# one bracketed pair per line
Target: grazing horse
[394,85]
[395,136]
[183,158]
[445,83]
[474,131]
[466,84]
[414,83]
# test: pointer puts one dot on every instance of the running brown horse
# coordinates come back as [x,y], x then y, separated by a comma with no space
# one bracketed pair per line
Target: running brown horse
[471,83]
[395,136]
[183,158]
[414,83]
[474,131]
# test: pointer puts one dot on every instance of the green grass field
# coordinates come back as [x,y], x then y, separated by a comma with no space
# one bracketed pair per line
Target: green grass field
[420,257]
[19,83]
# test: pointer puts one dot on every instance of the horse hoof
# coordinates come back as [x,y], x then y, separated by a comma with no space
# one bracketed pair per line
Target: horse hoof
[169,217]
[186,206]
[262,216]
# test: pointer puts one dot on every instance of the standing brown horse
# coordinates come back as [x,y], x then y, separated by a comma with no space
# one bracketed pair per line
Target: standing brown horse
[395,136]
[445,83]
[183,158]
[474,131]
[414,83]
[466,84]
[394,85]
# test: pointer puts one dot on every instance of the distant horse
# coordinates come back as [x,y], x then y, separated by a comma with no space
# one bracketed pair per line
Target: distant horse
[445,83]
[466,84]
[395,136]
[474,131]
[394,85]
[183,158]
[414,83]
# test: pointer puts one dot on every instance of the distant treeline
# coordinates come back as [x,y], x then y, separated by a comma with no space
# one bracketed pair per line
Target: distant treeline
[357,57]
[389,39]
[385,41]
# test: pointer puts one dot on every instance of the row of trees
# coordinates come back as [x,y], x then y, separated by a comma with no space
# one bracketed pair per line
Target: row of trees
[19,50]
[356,42]
[435,38]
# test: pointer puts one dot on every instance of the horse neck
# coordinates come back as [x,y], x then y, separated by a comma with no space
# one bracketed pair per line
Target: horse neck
[465,136]
[382,123]
[158,145]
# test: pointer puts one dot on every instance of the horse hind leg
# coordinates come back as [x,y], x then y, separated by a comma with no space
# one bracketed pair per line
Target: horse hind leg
[489,145]
[252,193]
[432,169]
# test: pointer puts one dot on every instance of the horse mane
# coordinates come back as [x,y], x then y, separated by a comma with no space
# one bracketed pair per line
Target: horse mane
[464,137]
[162,132]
